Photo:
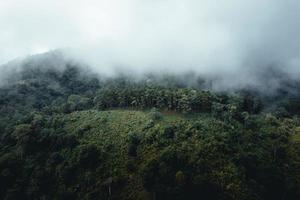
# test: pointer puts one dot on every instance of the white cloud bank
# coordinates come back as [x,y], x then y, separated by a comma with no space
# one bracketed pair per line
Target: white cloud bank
[206,36]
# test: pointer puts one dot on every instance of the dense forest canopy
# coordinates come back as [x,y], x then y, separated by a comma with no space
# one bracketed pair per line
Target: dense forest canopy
[69,133]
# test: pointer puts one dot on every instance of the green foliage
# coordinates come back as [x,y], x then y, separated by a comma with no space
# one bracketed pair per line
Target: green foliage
[133,142]
[155,115]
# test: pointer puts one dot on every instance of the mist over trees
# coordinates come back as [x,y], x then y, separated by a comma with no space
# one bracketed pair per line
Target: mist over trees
[223,37]
[68,132]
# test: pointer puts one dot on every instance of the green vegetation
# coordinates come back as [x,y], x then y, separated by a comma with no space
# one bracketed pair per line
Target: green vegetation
[70,135]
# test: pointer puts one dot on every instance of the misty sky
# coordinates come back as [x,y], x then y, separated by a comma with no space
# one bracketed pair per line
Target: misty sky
[145,35]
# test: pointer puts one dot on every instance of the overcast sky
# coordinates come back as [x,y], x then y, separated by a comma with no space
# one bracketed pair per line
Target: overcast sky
[141,35]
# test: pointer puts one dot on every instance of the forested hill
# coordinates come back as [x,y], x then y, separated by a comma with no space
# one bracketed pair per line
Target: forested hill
[68,133]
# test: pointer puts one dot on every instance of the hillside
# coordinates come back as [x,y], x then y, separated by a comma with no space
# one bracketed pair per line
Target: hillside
[67,133]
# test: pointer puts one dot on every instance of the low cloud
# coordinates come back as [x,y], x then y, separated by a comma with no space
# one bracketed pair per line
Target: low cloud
[235,41]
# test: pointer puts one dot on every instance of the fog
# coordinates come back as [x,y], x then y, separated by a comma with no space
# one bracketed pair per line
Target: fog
[235,42]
